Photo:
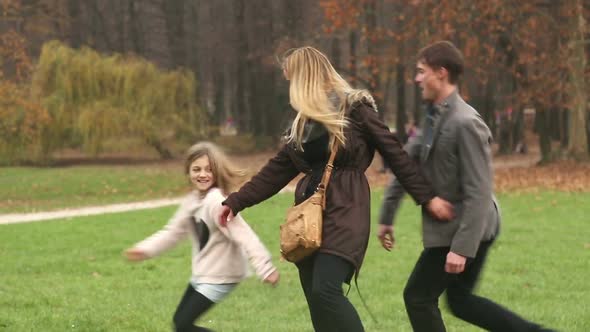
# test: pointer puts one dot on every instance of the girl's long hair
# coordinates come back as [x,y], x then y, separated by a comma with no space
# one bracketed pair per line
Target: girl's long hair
[312,78]
[225,177]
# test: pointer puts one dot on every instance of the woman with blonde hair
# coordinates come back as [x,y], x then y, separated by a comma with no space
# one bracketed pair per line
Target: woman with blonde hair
[219,260]
[330,111]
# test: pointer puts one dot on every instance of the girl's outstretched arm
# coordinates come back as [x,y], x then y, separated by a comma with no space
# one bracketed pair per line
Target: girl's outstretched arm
[167,237]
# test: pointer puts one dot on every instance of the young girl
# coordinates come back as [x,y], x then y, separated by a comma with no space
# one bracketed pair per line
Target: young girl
[218,255]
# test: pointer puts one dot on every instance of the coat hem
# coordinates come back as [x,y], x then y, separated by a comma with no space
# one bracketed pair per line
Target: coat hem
[346,257]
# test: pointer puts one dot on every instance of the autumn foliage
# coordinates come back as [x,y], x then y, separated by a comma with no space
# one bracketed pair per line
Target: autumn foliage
[23,120]
[93,98]
[518,54]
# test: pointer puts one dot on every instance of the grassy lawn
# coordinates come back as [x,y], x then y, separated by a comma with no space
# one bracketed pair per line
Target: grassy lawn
[29,189]
[69,275]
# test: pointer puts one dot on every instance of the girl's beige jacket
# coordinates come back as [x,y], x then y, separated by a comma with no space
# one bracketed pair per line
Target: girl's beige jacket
[219,254]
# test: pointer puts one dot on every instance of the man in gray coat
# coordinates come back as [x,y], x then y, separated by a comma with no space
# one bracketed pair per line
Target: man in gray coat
[454,152]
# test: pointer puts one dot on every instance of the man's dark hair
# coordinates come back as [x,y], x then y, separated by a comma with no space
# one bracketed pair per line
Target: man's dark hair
[443,54]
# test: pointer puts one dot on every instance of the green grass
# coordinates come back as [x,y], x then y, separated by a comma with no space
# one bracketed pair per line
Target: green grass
[29,189]
[69,275]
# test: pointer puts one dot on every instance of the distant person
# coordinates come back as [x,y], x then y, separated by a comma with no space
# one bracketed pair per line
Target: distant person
[330,111]
[219,259]
[454,152]
[412,130]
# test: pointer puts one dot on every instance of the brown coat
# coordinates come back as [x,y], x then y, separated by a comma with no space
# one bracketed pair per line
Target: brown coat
[347,215]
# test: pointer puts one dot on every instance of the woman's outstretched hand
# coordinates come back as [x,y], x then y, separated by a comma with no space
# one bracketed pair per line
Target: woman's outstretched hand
[225,215]
[440,209]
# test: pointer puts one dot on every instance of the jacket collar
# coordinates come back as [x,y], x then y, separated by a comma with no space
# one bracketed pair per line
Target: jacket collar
[442,111]
[448,103]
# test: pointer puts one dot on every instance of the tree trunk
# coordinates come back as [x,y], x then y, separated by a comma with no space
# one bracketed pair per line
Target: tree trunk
[162,150]
[542,121]
[135,28]
[261,81]
[243,89]
[99,27]
[505,132]
[373,42]
[418,105]
[75,26]
[120,18]
[489,105]
[578,140]
[218,97]
[352,39]
[423,37]
[563,127]
[174,18]
[401,117]
[335,52]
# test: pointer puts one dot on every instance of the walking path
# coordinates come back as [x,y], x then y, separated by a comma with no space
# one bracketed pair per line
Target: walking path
[17,218]
[373,175]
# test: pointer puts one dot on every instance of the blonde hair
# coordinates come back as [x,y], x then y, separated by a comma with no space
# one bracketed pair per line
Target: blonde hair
[312,77]
[225,177]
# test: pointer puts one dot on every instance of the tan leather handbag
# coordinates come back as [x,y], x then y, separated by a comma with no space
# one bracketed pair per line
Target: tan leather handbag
[301,234]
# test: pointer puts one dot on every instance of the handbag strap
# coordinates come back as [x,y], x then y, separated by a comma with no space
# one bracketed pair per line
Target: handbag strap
[327,173]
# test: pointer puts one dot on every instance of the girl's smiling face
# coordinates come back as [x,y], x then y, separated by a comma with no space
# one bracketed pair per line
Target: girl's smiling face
[201,175]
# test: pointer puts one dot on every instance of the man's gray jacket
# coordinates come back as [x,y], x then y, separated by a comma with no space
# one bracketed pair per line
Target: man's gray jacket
[459,165]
